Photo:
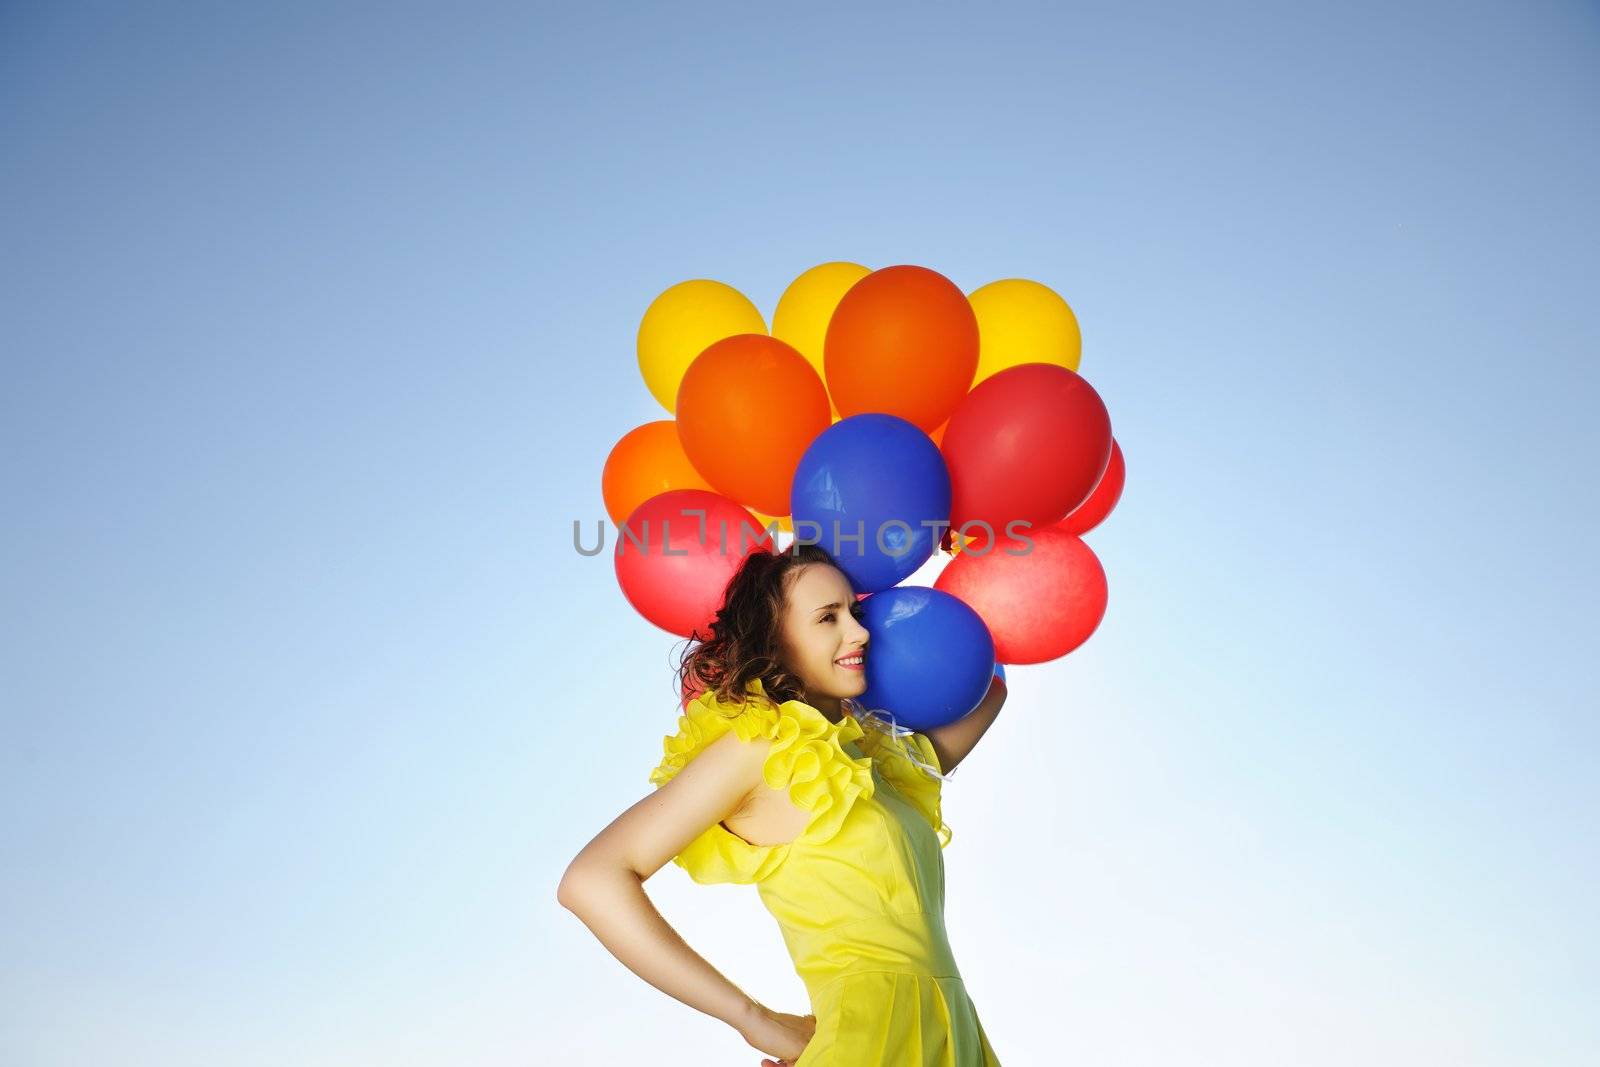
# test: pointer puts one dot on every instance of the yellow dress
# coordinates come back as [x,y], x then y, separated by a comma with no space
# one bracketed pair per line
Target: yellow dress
[859,895]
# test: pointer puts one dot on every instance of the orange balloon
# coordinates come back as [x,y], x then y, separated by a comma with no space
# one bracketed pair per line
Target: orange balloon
[748,408]
[903,341]
[938,435]
[649,460]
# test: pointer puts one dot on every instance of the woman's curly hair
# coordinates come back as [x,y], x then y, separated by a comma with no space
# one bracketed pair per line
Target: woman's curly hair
[746,636]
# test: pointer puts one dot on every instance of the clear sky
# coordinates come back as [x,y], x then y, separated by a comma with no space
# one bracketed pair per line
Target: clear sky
[318,323]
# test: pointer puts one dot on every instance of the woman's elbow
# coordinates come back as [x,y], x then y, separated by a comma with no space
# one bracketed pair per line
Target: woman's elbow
[571,889]
[583,878]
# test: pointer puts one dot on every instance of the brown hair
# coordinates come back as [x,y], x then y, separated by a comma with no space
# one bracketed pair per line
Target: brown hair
[745,640]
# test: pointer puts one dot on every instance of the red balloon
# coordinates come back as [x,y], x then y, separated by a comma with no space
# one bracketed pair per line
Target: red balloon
[1030,442]
[1038,605]
[1092,512]
[673,563]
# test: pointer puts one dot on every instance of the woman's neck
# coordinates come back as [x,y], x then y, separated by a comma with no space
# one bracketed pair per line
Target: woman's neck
[831,707]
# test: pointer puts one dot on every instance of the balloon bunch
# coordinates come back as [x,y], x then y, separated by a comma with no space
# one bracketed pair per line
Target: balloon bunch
[897,422]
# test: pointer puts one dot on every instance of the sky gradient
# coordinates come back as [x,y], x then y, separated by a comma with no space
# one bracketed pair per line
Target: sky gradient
[319,324]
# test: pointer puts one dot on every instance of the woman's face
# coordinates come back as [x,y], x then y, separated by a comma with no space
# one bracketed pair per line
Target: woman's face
[824,641]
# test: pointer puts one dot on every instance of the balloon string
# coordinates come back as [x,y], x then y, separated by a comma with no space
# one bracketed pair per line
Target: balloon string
[883,722]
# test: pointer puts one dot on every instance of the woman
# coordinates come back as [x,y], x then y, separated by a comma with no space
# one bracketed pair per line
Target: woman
[779,778]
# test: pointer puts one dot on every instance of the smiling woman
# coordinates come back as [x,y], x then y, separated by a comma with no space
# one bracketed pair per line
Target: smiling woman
[792,620]
[777,777]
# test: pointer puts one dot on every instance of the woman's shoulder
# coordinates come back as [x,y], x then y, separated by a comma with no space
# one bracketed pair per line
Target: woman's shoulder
[787,724]
[806,755]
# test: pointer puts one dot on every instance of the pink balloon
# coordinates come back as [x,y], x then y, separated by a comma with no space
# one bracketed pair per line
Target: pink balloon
[1039,605]
[673,562]
[1092,512]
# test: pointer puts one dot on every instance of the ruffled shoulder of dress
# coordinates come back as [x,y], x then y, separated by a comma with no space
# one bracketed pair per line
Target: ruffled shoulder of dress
[908,761]
[807,757]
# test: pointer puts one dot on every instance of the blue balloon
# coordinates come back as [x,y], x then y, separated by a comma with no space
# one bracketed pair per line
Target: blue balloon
[1000,671]
[930,658]
[872,490]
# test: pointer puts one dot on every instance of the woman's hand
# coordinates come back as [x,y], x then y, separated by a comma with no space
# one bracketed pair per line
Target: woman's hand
[781,1037]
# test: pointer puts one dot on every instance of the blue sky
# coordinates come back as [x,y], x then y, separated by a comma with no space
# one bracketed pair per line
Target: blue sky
[319,324]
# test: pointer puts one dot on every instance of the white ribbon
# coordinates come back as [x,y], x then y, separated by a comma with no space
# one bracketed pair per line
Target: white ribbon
[884,723]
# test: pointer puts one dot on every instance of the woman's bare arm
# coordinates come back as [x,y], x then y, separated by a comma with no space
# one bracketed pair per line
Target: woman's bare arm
[604,884]
[954,741]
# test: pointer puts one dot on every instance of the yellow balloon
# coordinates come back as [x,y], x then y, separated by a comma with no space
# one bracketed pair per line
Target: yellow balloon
[803,311]
[784,521]
[681,323]
[1020,321]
